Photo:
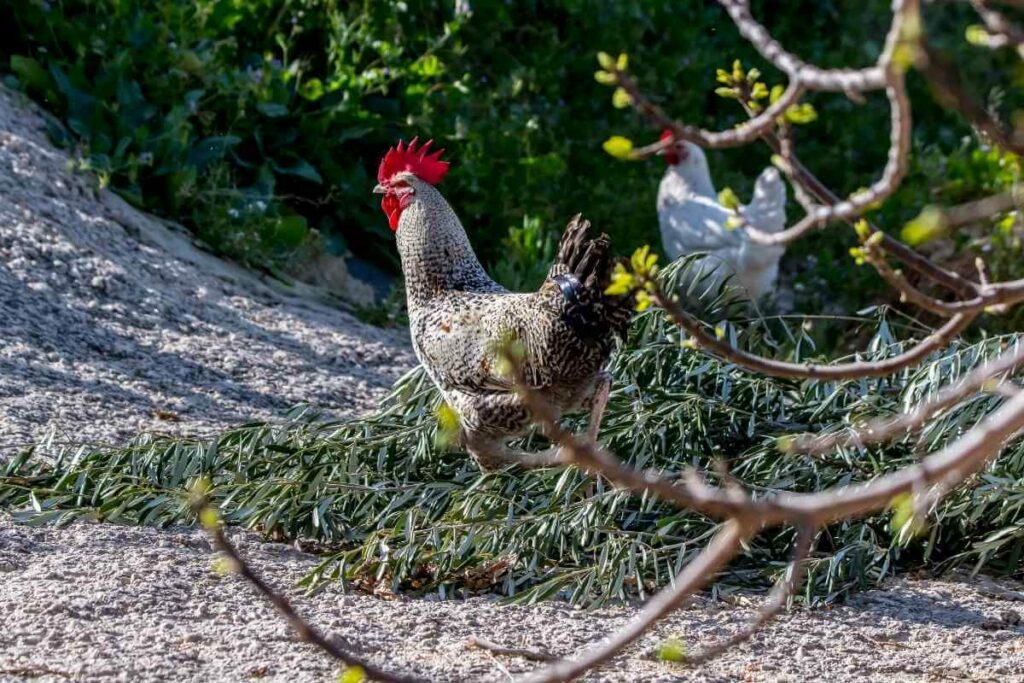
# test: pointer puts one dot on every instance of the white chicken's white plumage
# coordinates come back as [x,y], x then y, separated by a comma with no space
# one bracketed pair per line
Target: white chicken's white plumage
[692,220]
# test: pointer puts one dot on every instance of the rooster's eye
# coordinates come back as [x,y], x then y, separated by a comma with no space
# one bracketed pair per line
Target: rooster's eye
[401,187]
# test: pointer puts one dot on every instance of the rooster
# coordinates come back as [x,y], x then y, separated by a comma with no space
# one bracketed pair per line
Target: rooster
[692,220]
[459,316]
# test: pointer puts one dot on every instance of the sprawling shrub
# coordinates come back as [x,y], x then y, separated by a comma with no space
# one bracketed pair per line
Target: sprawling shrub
[395,511]
[250,121]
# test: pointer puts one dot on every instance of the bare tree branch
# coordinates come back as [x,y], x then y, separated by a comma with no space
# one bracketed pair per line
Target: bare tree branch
[839,371]
[303,629]
[743,134]
[1019,4]
[903,253]
[999,25]
[776,603]
[910,293]
[949,89]
[880,431]
[722,548]
[851,208]
[980,209]
[812,77]
[934,475]
[524,652]
[690,491]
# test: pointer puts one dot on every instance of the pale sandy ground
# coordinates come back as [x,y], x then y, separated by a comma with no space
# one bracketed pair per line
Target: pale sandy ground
[98,602]
[110,319]
[112,322]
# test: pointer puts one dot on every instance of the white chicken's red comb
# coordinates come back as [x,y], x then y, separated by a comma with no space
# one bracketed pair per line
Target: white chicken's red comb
[427,167]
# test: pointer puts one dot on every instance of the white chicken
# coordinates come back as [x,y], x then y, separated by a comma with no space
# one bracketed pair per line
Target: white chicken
[693,220]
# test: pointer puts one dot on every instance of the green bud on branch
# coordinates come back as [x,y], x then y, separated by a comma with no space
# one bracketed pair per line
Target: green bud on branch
[619,147]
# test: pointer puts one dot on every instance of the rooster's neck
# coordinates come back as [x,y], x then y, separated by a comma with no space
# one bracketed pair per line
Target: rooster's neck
[435,251]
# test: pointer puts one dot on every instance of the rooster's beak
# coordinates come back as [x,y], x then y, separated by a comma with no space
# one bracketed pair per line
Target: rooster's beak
[380,189]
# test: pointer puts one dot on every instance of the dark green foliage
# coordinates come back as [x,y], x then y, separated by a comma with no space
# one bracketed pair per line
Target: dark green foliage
[529,251]
[389,507]
[256,122]
[251,122]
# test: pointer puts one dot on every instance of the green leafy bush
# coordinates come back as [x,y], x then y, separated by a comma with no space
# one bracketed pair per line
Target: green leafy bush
[529,252]
[251,122]
[258,122]
[968,172]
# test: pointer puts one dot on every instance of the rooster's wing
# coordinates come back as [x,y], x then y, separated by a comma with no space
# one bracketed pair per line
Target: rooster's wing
[566,327]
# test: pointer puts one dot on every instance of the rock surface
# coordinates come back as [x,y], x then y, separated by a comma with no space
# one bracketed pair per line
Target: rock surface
[111,322]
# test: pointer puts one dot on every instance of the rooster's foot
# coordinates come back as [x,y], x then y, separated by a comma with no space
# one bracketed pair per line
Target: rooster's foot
[498,456]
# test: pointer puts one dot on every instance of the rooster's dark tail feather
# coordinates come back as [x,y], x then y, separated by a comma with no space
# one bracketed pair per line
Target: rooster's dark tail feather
[582,271]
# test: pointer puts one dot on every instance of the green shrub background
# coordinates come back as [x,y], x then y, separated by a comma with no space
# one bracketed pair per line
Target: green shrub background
[255,122]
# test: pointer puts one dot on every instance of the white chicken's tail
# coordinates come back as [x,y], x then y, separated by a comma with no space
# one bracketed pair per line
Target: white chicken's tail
[767,208]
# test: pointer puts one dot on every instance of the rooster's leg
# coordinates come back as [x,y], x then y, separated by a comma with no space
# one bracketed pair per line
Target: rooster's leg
[489,421]
[549,457]
[490,449]
[598,404]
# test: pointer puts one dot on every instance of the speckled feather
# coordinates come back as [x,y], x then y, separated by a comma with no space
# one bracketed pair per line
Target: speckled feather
[458,316]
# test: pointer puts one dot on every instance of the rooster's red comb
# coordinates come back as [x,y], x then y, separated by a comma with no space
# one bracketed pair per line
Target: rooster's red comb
[427,167]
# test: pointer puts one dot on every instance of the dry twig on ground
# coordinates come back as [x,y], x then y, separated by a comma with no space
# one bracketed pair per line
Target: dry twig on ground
[303,629]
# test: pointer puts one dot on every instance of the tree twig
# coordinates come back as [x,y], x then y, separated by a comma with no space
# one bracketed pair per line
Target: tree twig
[1000,26]
[776,603]
[722,548]
[883,430]
[838,371]
[524,652]
[303,629]
[948,87]
[809,75]
[746,516]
